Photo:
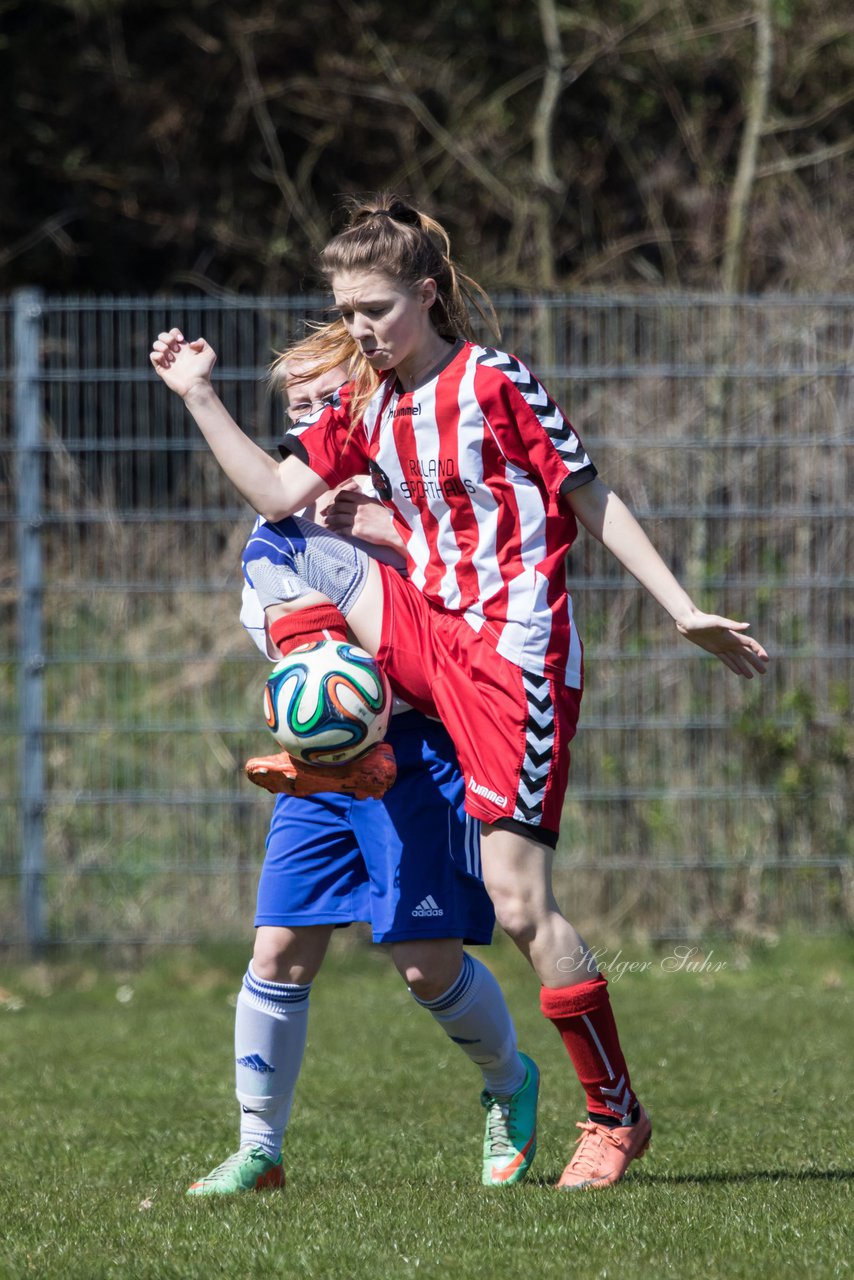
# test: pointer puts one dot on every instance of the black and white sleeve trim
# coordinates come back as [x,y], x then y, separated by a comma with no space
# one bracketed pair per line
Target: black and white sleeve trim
[291,444]
[576,479]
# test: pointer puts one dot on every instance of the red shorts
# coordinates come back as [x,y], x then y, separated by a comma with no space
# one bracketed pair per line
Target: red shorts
[511,729]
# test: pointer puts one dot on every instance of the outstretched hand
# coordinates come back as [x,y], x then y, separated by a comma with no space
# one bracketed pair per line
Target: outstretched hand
[727,640]
[182,364]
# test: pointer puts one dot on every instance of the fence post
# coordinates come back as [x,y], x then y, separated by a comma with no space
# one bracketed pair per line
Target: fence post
[28,434]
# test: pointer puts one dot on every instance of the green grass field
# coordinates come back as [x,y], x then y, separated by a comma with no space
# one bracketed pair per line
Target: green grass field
[117,1092]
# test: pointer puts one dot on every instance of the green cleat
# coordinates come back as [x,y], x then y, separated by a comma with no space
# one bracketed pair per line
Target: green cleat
[510,1141]
[249,1169]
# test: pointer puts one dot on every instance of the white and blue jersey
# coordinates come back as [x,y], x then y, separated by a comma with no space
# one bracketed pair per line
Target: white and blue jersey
[408,864]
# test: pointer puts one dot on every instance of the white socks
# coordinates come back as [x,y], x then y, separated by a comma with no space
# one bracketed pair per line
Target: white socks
[475,1016]
[269,1041]
[270,1028]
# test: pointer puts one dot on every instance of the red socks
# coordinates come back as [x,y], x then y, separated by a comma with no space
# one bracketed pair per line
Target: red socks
[317,622]
[585,1023]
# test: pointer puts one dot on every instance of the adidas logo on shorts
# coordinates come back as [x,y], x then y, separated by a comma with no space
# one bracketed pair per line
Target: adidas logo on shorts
[429,907]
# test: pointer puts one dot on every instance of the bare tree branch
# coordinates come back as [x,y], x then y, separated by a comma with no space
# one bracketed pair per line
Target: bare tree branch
[502,194]
[678,36]
[788,125]
[309,225]
[742,188]
[615,249]
[654,213]
[50,229]
[543,122]
[790,163]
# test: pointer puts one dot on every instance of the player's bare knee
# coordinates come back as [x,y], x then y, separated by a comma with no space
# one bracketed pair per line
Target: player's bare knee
[516,916]
[421,984]
[289,955]
[426,986]
[428,966]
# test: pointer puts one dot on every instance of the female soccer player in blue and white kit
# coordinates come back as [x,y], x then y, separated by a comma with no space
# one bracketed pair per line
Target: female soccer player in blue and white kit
[485,479]
[408,864]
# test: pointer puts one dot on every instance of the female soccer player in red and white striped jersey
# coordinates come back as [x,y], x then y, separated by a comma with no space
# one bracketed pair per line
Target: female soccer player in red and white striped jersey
[486,480]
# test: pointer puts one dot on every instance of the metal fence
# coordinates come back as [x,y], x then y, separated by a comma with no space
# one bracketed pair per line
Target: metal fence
[130,696]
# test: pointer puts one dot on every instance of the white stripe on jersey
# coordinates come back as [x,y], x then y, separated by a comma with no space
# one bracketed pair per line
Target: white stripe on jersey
[419,550]
[486,556]
[446,543]
[574,658]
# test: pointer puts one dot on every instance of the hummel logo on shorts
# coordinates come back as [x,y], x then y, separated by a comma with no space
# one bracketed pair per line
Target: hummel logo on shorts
[429,907]
[488,794]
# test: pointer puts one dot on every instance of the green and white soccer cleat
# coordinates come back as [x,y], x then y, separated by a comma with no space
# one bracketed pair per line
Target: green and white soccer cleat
[249,1169]
[510,1141]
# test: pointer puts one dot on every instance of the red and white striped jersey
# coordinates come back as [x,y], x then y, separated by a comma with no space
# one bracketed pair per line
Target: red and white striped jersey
[472,464]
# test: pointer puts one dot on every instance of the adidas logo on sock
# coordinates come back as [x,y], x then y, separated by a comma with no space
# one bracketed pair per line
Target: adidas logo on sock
[255,1062]
[429,907]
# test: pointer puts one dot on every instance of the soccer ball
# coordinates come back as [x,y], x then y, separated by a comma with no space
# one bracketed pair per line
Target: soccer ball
[327,702]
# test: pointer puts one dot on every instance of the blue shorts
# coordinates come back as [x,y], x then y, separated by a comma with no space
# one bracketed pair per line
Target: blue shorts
[408,864]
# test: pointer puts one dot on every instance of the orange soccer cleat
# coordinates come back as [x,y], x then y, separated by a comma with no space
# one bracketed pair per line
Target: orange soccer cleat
[603,1155]
[368,777]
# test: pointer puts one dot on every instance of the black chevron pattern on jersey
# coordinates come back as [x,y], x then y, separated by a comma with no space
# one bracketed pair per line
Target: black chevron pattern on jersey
[539,747]
[554,423]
